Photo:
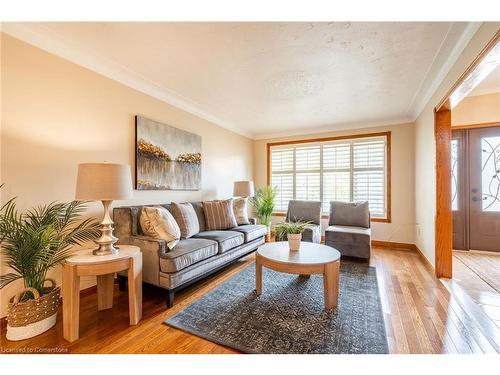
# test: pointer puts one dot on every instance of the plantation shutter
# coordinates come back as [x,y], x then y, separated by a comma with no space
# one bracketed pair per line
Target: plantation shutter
[282,176]
[369,174]
[336,173]
[348,170]
[307,173]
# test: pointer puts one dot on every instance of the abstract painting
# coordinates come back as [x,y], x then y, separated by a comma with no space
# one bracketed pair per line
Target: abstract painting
[167,158]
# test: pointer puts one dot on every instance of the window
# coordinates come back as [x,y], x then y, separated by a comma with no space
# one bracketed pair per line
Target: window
[354,169]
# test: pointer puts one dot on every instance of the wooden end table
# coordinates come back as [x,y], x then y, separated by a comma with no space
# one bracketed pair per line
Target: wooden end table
[84,263]
[310,259]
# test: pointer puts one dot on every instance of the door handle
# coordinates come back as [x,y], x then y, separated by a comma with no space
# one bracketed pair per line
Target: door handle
[475,190]
[475,199]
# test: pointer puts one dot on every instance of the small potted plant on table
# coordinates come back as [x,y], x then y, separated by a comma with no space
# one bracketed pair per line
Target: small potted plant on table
[291,231]
[31,244]
[263,202]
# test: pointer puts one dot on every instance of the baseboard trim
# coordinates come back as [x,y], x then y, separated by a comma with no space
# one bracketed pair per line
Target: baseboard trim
[394,245]
[426,260]
[405,246]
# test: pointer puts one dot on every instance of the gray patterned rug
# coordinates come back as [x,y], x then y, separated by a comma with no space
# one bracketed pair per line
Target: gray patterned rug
[289,316]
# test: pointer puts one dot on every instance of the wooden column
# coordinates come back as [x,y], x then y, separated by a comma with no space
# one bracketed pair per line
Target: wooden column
[444,216]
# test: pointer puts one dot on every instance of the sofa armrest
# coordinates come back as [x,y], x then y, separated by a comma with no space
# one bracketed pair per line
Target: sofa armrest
[146,241]
[151,249]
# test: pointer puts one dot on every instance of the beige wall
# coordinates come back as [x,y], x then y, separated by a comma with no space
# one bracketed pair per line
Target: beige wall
[477,110]
[402,227]
[56,114]
[425,145]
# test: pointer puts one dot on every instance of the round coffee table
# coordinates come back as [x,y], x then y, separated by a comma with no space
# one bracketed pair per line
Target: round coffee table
[311,259]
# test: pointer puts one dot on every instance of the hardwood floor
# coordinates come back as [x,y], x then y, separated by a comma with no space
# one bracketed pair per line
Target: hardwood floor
[421,316]
[475,286]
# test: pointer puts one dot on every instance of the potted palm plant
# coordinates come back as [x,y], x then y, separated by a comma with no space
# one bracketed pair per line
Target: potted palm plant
[292,231]
[31,244]
[263,202]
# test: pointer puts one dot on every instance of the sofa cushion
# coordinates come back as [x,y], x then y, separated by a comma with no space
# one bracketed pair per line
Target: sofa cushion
[186,253]
[251,232]
[219,215]
[157,222]
[347,234]
[240,209]
[355,214]
[185,215]
[200,213]
[226,239]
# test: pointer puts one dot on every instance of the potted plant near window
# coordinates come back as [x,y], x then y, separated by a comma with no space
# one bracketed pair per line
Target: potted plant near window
[292,231]
[263,202]
[33,243]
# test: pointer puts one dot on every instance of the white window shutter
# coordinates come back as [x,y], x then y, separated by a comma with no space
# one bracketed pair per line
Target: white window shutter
[369,174]
[345,170]
[282,171]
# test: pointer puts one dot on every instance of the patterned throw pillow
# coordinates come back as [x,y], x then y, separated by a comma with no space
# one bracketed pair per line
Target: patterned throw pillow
[240,209]
[185,215]
[157,222]
[219,215]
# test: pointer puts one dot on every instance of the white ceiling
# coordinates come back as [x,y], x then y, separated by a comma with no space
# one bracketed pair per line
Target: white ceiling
[266,79]
[490,85]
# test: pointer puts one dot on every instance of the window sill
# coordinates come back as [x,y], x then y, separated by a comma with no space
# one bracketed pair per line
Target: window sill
[326,216]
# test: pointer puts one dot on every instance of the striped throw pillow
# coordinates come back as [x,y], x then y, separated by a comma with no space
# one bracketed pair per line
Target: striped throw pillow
[219,215]
[185,215]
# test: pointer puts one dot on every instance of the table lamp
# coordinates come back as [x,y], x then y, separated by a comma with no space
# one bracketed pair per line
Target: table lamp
[243,189]
[104,182]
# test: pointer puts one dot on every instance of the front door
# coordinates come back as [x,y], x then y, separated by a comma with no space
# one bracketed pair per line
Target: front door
[484,189]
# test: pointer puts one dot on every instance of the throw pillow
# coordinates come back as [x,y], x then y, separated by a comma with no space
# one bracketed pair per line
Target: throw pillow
[157,222]
[185,215]
[240,209]
[219,215]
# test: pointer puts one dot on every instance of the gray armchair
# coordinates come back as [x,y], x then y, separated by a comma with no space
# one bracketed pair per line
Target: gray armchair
[306,211]
[349,229]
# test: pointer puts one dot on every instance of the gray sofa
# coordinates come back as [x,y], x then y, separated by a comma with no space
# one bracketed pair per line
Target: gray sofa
[349,229]
[305,211]
[192,258]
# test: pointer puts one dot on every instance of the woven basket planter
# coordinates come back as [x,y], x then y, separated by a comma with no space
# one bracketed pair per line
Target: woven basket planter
[32,317]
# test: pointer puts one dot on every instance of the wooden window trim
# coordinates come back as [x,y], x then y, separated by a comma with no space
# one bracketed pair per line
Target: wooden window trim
[387,134]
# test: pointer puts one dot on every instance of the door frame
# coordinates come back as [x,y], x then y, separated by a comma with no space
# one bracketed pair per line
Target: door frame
[442,134]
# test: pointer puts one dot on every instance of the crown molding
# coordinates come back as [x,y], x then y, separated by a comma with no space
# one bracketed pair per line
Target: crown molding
[333,128]
[31,34]
[457,38]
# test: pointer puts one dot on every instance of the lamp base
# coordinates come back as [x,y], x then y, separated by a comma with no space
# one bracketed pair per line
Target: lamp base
[107,241]
[106,250]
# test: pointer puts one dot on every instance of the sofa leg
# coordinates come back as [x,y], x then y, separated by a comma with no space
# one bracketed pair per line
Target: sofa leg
[122,283]
[170,298]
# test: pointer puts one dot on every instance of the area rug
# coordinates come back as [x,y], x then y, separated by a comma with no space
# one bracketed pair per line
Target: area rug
[289,316]
[486,266]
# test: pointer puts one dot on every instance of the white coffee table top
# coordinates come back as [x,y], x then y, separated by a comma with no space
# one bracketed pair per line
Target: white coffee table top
[309,253]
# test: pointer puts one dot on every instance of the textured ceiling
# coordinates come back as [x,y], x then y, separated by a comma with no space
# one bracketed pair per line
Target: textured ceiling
[264,79]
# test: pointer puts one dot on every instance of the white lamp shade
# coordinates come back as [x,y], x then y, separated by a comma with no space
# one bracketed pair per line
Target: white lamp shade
[103,181]
[243,189]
